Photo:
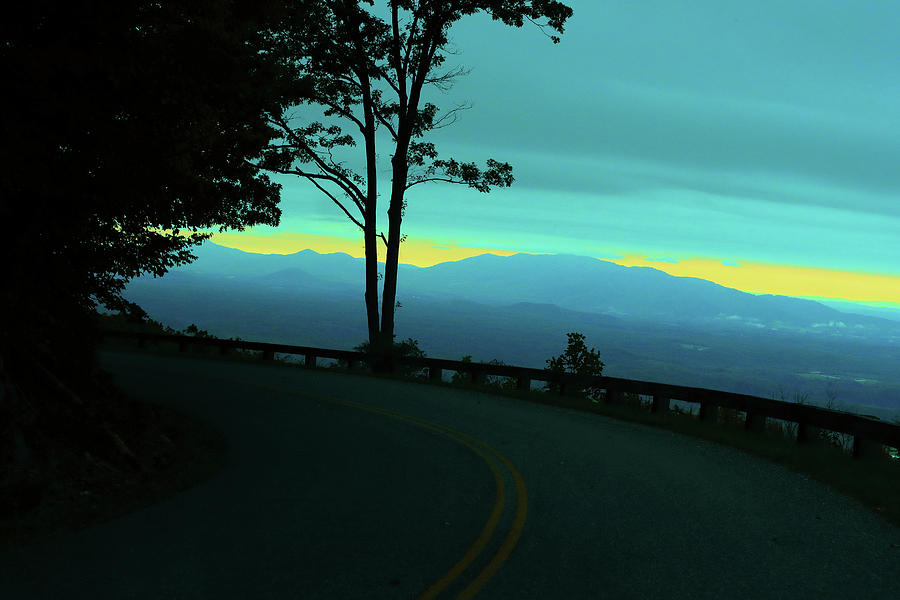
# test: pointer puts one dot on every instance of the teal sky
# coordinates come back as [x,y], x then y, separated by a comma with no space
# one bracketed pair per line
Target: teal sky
[738,131]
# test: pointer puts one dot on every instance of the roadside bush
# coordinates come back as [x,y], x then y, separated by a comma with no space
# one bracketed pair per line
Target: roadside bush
[495,381]
[408,348]
[636,401]
[576,359]
[194,331]
[462,376]
[499,381]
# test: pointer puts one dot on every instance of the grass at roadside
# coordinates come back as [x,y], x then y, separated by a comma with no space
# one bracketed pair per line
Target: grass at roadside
[873,482]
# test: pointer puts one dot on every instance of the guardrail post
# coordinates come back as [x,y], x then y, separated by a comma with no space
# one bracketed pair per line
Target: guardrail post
[224,350]
[755,422]
[477,376]
[435,372]
[660,404]
[808,433]
[568,387]
[268,355]
[866,449]
[311,361]
[613,396]
[709,412]
[523,383]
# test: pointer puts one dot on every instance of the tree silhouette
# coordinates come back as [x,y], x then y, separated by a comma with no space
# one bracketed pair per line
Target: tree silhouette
[125,128]
[576,359]
[368,74]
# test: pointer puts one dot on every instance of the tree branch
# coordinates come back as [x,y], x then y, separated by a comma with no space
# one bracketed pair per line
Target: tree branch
[386,77]
[412,28]
[348,81]
[442,82]
[344,113]
[444,179]
[386,122]
[339,178]
[326,177]
[336,201]
[400,66]
[450,114]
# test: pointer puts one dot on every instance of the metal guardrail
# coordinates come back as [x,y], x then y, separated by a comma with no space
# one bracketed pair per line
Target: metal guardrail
[869,433]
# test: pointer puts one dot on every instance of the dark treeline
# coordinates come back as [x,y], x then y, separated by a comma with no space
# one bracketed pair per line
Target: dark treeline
[123,125]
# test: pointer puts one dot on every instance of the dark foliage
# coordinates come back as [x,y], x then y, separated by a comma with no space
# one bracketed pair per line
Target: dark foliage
[576,359]
[125,127]
[408,348]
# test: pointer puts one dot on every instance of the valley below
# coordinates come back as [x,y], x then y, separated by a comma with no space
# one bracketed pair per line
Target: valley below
[850,364]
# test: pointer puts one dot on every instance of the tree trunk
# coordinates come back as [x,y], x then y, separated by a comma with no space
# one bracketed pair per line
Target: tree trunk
[371,295]
[395,220]
[370,220]
[389,298]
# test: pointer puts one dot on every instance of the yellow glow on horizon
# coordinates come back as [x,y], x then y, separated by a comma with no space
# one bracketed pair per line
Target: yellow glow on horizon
[785,280]
[414,251]
[754,277]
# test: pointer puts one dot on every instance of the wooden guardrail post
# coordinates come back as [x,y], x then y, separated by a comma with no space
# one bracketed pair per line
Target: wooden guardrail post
[613,395]
[310,361]
[523,383]
[435,373]
[807,433]
[866,449]
[709,412]
[568,387]
[477,376]
[755,422]
[268,355]
[660,404]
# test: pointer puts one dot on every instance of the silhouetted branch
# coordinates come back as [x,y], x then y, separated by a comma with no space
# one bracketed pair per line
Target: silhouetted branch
[386,122]
[451,114]
[335,200]
[333,173]
[426,179]
[444,82]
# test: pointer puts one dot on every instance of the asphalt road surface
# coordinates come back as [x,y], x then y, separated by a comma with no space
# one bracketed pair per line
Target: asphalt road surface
[342,486]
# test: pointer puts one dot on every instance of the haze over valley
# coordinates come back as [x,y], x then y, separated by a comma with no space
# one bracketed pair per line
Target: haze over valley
[645,324]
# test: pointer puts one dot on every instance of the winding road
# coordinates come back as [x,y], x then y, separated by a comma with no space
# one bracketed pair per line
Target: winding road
[342,486]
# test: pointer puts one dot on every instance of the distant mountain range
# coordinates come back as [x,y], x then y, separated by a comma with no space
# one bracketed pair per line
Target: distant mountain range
[576,283]
[645,323]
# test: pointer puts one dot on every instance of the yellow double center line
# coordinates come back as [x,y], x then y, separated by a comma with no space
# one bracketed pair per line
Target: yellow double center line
[485,452]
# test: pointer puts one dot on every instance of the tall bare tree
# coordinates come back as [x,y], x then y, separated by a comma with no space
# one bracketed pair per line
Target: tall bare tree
[368,73]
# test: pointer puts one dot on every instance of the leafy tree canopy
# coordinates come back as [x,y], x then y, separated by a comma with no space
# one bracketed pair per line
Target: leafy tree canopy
[125,129]
[577,358]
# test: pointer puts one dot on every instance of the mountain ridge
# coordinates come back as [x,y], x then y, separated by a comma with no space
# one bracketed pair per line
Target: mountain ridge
[574,282]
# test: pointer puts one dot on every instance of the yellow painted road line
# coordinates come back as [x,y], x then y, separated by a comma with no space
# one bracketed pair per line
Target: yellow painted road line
[487,532]
[512,537]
